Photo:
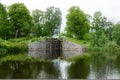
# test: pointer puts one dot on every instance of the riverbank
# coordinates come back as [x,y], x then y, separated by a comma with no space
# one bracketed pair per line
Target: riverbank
[17,49]
[15,46]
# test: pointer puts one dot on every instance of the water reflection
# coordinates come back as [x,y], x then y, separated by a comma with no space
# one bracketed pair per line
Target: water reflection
[79,69]
[48,71]
[33,70]
[98,68]
[103,68]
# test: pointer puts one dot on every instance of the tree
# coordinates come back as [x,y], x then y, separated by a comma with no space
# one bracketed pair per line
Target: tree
[109,30]
[4,24]
[39,22]
[100,28]
[20,20]
[52,21]
[77,22]
[116,33]
[99,22]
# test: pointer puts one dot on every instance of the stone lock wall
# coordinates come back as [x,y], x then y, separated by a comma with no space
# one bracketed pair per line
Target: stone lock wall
[39,49]
[43,49]
[70,49]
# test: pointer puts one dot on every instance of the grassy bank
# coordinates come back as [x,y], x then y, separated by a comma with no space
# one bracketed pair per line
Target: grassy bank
[109,47]
[109,51]
[78,41]
[16,46]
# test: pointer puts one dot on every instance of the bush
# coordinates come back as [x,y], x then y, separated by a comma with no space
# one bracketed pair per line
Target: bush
[19,39]
[3,52]
[98,40]
[86,37]
[112,46]
[16,47]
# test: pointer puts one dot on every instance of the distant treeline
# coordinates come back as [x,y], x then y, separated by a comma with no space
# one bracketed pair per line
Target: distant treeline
[16,21]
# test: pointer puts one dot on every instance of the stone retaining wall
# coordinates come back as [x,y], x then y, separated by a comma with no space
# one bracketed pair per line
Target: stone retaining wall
[42,49]
[70,49]
[39,49]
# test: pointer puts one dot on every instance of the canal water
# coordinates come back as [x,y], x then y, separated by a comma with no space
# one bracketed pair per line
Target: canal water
[97,68]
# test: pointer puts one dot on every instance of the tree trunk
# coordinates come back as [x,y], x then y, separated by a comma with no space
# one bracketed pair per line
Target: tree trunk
[16,33]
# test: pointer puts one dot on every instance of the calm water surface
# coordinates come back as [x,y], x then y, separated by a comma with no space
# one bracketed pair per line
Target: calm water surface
[98,68]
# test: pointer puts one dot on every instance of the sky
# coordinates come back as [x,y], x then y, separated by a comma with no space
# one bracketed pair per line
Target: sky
[109,8]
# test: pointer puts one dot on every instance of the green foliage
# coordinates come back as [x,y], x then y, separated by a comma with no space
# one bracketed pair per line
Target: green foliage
[16,46]
[99,41]
[102,41]
[116,33]
[39,22]
[111,47]
[46,23]
[77,23]
[3,51]
[38,16]
[109,30]
[4,24]
[86,37]
[52,21]
[99,35]
[99,22]
[77,41]
[16,21]
[38,30]
[20,20]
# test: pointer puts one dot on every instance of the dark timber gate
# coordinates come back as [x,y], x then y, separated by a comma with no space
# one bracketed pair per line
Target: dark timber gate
[56,47]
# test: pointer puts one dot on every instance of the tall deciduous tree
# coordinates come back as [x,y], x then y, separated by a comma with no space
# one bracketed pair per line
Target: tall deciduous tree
[100,25]
[99,22]
[77,22]
[20,19]
[52,21]
[4,24]
[39,22]
[116,33]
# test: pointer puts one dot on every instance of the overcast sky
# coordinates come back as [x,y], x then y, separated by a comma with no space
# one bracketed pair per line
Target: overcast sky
[109,8]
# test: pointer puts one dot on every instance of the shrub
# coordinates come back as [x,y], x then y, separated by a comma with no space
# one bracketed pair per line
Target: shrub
[86,37]
[98,40]
[16,47]
[112,46]
[3,52]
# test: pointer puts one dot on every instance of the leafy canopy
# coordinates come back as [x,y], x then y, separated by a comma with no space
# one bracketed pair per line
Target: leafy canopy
[77,23]
[20,20]
[4,25]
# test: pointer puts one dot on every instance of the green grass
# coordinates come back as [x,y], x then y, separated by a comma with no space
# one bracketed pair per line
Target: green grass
[78,41]
[26,39]
[17,49]
[18,45]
